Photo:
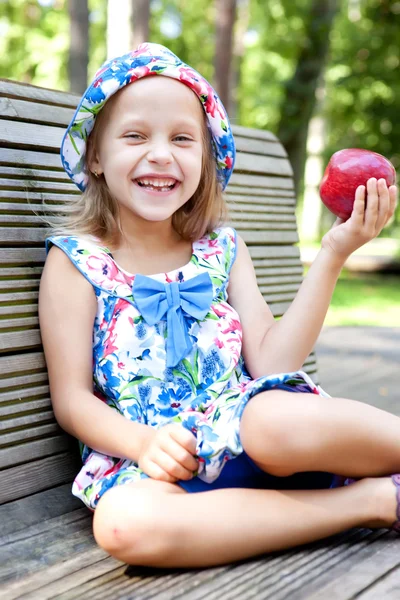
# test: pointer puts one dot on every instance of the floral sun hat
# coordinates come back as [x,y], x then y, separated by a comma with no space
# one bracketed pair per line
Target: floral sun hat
[147,59]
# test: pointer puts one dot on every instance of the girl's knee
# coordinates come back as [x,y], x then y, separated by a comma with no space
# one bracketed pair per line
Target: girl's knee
[265,421]
[115,524]
[275,425]
[128,522]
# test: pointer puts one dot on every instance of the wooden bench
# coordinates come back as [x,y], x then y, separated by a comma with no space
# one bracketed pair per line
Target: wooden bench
[47,549]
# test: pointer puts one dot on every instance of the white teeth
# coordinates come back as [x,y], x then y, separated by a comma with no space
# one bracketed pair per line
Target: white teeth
[159,183]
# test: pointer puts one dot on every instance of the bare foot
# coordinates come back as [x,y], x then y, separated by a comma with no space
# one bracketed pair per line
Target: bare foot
[381,494]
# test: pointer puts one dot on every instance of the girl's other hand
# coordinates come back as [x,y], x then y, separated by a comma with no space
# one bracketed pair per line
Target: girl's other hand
[370,215]
[169,453]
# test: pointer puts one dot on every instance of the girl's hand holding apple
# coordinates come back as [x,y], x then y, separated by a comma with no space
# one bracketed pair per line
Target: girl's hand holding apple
[346,171]
[374,205]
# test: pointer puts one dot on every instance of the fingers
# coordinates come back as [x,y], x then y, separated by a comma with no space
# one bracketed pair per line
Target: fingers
[184,437]
[379,206]
[179,453]
[380,194]
[393,199]
[372,206]
[170,456]
[169,466]
[357,216]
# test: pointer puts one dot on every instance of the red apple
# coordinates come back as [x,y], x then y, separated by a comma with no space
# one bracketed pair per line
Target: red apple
[348,169]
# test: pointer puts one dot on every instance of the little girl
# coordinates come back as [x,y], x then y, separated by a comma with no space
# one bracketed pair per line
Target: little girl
[165,361]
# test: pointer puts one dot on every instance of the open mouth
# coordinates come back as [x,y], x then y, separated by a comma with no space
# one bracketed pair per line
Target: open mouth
[157,185]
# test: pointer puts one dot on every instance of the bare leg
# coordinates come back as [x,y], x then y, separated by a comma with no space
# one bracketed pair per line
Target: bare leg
[154,523]
[285,432]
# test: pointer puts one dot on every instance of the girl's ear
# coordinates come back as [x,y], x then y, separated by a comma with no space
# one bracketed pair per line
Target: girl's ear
[94,162]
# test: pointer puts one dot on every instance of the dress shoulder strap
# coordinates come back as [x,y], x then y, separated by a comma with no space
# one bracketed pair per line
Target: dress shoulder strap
[95,263]
[216,253]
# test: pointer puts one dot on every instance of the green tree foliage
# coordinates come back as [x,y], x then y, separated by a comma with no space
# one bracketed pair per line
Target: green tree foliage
[362,97]
[277,32]
[188,29]
[362,102]
[34,38]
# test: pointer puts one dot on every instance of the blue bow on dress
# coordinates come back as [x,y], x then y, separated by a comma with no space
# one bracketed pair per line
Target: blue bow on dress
[154,299]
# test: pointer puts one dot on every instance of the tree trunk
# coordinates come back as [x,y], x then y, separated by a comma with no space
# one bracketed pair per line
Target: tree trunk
[79,45]
[300,98]
[243,18]
[225,20]
[141,19]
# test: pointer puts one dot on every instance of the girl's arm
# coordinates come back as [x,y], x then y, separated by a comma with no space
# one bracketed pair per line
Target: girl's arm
[67,308]
[271,346]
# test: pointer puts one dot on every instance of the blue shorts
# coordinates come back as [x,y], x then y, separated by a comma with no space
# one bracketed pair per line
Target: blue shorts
[242,472]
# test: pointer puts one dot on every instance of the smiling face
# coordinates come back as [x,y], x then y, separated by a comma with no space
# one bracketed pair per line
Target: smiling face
[149,148]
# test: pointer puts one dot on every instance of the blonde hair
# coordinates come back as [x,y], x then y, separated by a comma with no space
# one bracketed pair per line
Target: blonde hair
[95,212]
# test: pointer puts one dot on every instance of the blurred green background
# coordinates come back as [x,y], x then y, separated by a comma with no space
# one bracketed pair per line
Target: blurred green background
[321,75]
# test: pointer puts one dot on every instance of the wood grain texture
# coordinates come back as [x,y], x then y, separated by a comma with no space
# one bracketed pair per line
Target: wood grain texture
[38,475]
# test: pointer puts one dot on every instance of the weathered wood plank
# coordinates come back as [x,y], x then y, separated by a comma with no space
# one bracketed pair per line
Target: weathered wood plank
[73,537]
[20,90]
[45,584]
[260,134]
[19,284]
[265,192]
[22,110]
[31,160]
[270,252]
[258,146]
[15,324]
[30,135]
[387,587]
[264,226]
[39,475]
[348,579]
[256,163]
[24,364]
[18,272]
[23,403]
[24,421]
[261,578]
[22,256]
[22,235]
[37,185]
[270,237]
[245,204]
[25,436]
[17,172]
[37,508]
[19,340]
[261,181]
[22,220]
[14,456]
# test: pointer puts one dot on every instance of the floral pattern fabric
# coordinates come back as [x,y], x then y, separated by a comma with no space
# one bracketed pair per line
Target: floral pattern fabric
[207,390]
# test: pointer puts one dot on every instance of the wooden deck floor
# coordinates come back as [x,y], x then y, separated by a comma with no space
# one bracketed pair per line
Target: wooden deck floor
[361,363]
[359,564]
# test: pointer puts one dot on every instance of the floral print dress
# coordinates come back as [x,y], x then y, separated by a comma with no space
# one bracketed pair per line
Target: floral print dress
[150,373]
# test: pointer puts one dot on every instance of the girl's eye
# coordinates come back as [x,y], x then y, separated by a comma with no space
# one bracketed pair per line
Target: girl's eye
[182,138]
[134,136]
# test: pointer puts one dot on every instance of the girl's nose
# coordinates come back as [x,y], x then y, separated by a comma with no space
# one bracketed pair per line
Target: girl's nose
[160,152]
